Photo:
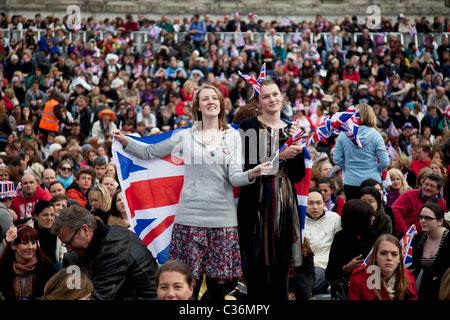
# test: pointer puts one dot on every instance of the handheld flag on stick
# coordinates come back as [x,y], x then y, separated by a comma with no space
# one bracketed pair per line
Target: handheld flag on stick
[406,243]
[256,83]
[346,121]
[293,139]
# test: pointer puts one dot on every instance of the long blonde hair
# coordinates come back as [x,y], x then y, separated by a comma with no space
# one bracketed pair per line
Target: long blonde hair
[404,185]
[100,193]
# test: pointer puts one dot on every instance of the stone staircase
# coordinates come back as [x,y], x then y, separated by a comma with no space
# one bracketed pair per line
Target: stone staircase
[266,9]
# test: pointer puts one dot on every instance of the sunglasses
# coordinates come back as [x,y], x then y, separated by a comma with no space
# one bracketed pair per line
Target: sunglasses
[66,169]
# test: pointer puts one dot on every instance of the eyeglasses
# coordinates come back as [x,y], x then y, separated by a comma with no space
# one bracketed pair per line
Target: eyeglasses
[68,244]
[66,169]
[426,218]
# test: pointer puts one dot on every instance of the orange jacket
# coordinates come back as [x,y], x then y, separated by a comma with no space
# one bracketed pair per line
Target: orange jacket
[49,121]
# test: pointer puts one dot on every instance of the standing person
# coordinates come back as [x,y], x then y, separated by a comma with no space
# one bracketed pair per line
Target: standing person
[359,164]
[24,267]
[395,282]
[431,251]
[197,29]
[212,156]
[52,115]
[352,244]
[118,262]
[269,226]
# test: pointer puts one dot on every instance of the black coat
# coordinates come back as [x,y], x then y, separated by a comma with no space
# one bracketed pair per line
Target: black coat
[119,263]
[249,202]
[428,289]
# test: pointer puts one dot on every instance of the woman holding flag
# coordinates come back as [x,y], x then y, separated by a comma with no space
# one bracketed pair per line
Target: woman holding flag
[268,216]
[204,235]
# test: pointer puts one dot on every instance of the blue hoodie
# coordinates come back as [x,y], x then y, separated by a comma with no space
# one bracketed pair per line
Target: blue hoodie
[359,164]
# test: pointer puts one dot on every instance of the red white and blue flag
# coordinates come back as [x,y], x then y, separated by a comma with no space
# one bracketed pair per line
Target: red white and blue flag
[151,190]
[256,83]
[302,189]
[346,122]
[392,131]
[406,243]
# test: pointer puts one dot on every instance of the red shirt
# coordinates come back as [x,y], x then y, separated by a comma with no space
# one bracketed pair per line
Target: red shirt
[417,165]
[24,207]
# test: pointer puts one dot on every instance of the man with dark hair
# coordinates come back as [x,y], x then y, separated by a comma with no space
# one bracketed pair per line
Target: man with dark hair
[118,262]
[332,201]
[197,30]
[407,207]
[33,94]
[80,188]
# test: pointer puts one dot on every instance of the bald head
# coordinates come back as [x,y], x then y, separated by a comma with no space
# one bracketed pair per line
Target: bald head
[48,176]
[29,185]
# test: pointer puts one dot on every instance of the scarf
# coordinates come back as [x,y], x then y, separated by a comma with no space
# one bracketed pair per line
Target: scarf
[330,204]
[390,287]
[66,182]
[24,279]
[438,196]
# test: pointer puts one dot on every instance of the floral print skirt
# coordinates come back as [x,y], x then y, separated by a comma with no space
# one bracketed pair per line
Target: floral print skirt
[213,252]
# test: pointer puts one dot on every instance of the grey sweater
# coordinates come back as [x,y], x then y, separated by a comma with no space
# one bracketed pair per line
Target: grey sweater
[207,198]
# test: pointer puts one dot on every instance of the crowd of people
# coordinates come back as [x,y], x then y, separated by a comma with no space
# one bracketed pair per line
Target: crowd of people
[63,102]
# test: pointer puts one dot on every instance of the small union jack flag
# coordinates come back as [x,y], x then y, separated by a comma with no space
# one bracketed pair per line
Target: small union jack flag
[406,243]
[255,83]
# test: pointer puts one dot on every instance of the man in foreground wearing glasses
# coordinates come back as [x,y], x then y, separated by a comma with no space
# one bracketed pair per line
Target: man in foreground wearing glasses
[407,207]
[118,262]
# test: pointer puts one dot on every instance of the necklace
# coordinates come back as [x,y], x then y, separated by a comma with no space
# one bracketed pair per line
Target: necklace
[212,139]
